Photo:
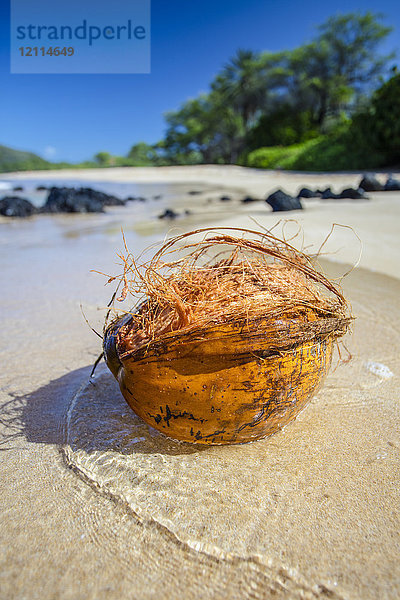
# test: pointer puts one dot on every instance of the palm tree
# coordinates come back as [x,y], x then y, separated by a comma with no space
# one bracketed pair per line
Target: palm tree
[242,86]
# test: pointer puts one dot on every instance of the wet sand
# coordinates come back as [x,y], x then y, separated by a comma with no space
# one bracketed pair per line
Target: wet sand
[94,504]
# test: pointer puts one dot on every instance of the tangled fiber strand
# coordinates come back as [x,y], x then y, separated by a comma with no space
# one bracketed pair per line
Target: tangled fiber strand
[216,276]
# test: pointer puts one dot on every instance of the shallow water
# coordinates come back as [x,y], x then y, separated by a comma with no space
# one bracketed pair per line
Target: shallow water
[311,512]
[118,189]
[139,219]
[245,500]
[157,193]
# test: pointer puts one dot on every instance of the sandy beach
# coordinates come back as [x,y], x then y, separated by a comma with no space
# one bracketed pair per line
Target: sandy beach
[93,505]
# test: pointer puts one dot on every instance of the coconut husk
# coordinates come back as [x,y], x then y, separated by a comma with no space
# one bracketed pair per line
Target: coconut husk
[215,300]
[226,278]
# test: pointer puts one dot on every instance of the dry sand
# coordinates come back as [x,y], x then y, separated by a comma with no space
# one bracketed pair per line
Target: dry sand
[93,505]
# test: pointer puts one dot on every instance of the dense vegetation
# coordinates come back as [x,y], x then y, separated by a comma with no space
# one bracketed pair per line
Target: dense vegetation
[327,105]
[370,139]
[306,109]
[378,124]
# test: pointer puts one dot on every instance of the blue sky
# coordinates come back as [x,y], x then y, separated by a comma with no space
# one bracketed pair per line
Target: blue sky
[71,117]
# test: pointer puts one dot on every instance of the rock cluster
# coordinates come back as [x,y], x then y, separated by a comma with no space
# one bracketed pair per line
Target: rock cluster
[280,201]
[12,206]
[87,200]
[60,200]
[82,200]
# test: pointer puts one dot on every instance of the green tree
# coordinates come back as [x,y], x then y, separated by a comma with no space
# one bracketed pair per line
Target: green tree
[319,81]
[242,86]
[104,159]
[353,41]
[280,98]
[377,126]
[203,130]
[342,63]
[142,155]
[283,125]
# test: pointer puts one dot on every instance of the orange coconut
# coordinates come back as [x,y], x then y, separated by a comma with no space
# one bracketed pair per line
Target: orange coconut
[226,351]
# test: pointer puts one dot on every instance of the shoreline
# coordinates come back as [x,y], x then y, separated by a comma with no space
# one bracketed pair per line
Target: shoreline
[254,180]
[309,513]
[374,221]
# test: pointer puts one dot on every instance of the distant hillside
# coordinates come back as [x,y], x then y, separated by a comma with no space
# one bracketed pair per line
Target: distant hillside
[16,160]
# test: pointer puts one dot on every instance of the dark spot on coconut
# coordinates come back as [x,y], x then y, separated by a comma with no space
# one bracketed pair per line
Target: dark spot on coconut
[157,418]
[167,418]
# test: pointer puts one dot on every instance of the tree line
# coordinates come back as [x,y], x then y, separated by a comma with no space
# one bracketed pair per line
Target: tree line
[293,99]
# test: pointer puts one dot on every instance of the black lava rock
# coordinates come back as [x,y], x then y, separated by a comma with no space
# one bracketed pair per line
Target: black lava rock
[392,185]
[41,188]
[135,199]
[82,200]
[194,192]
[225,198]
[353,194]
[369,183]
[329,195]
[168,214]
[249,199]
[281,201]
[12,206]
[157,197]
[307,193]
[18,188]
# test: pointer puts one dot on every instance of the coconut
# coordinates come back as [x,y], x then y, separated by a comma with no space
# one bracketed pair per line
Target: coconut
[232,335]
